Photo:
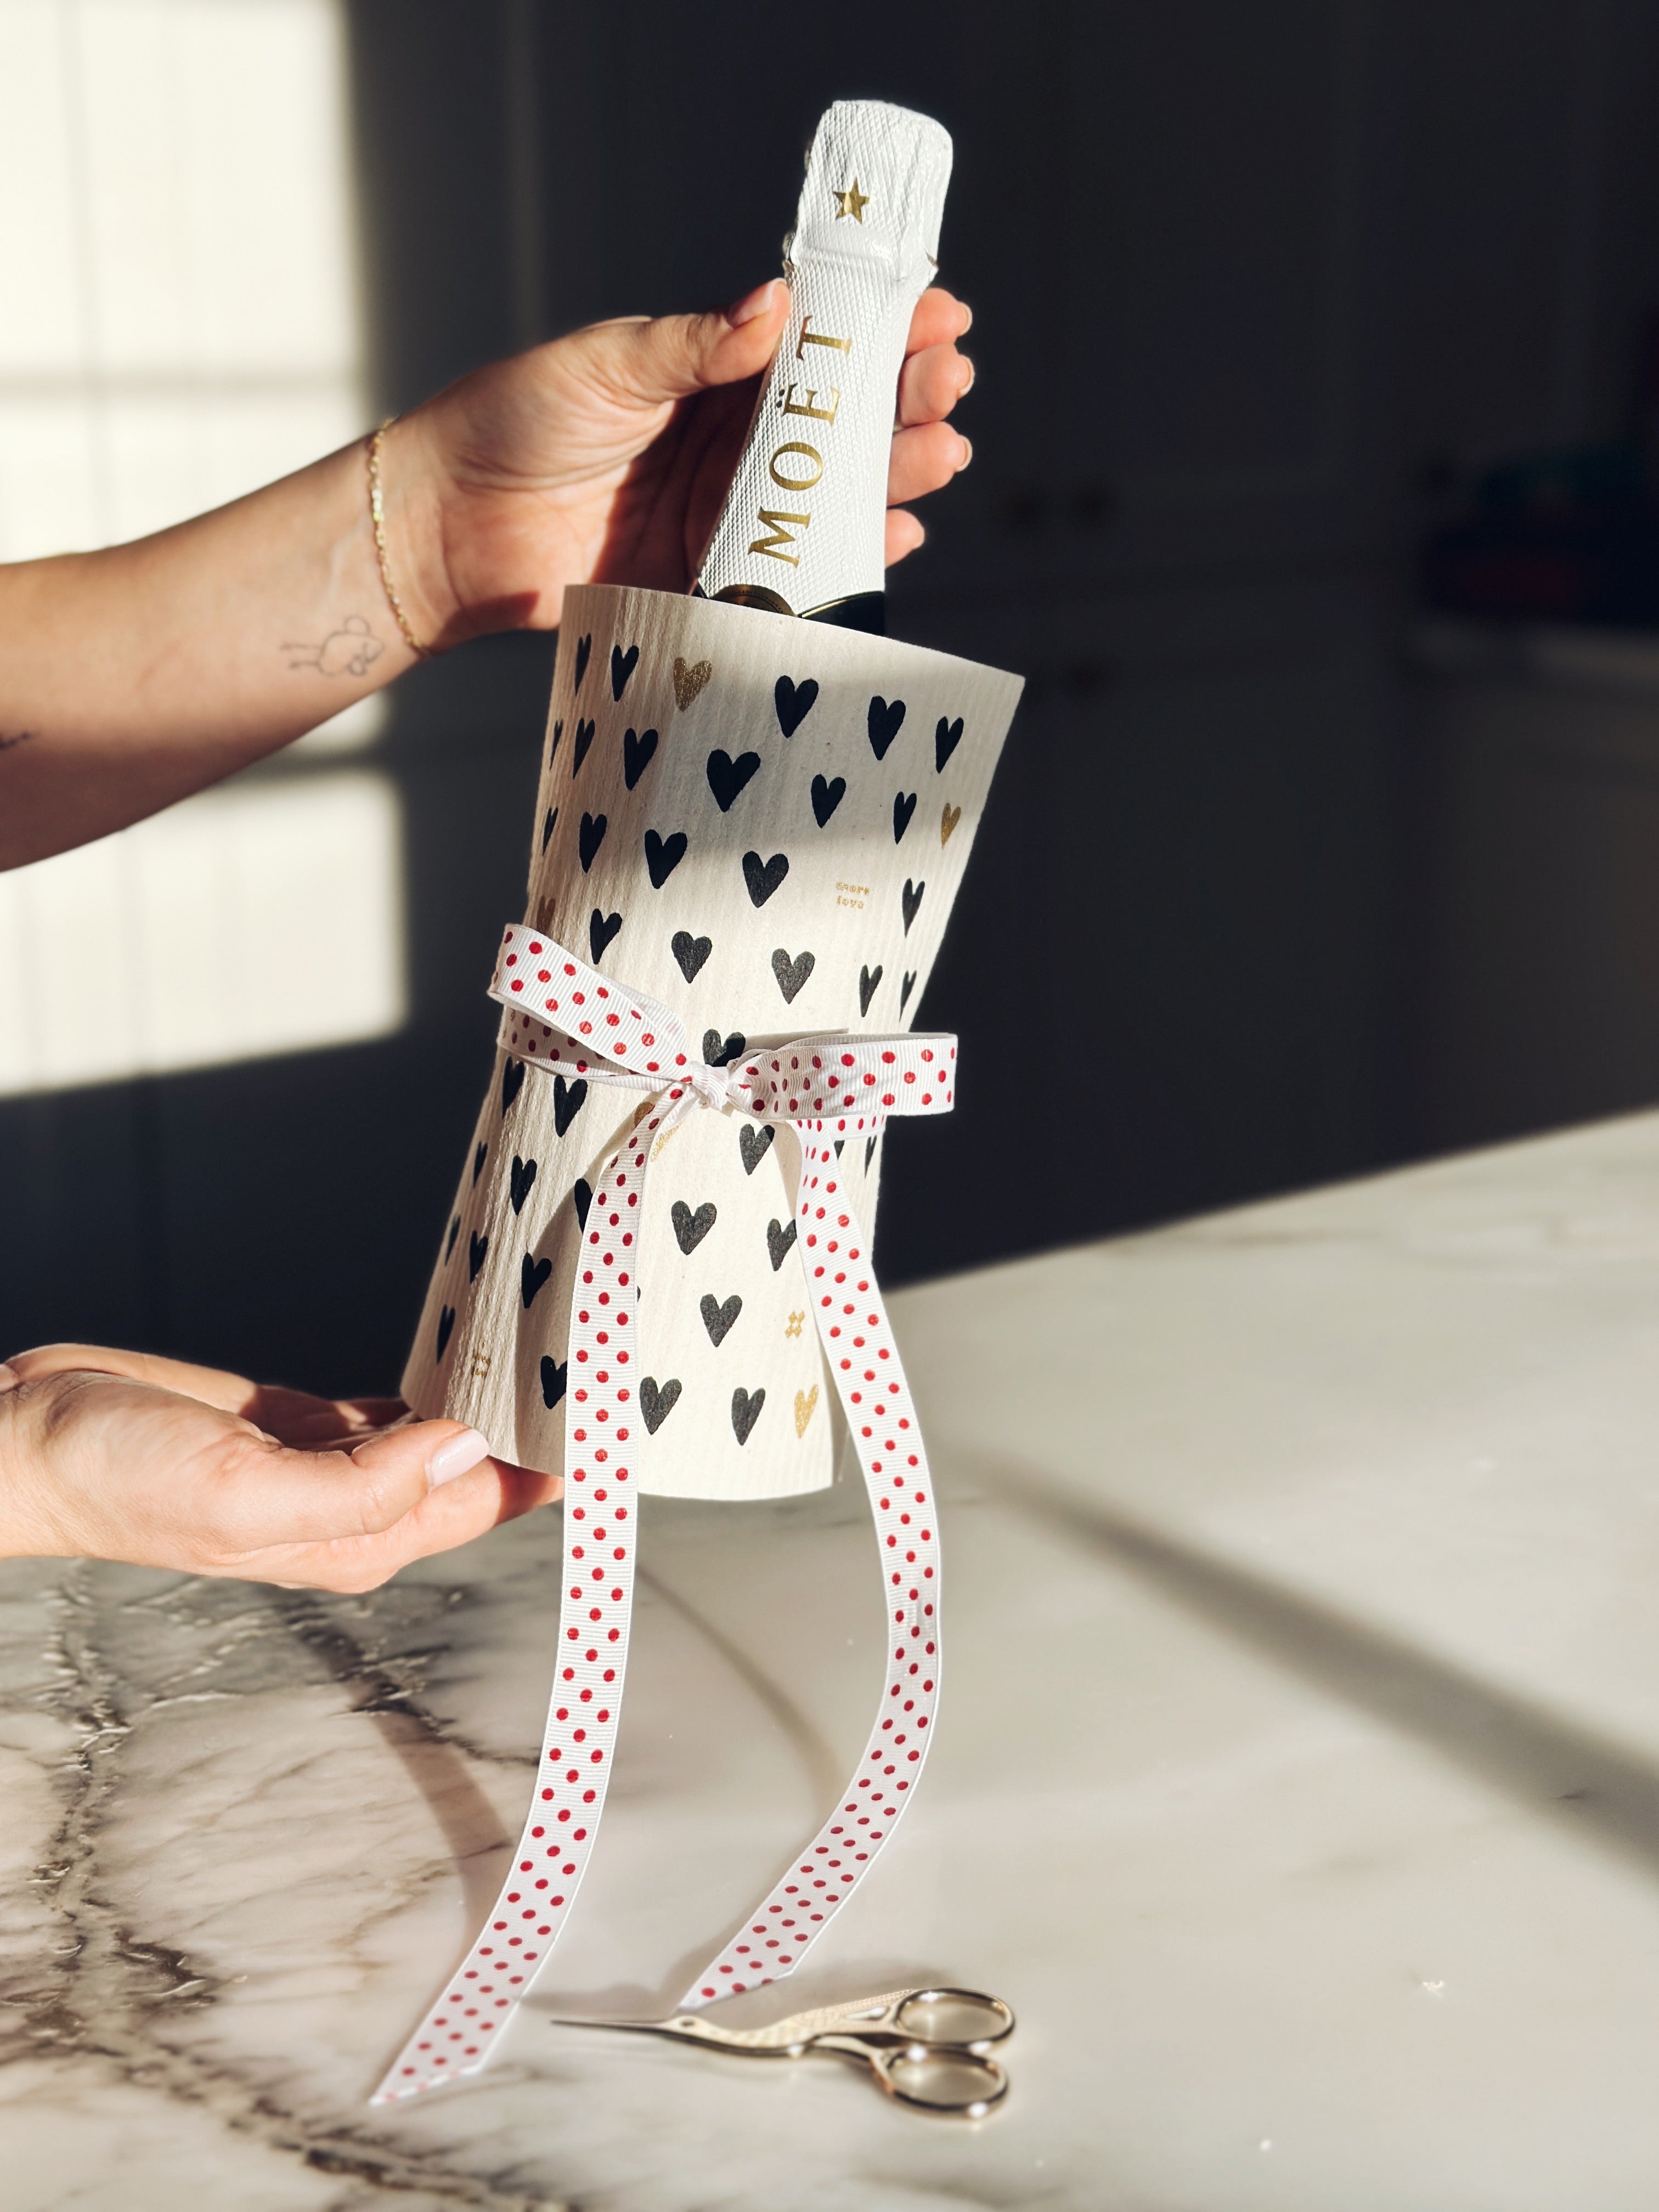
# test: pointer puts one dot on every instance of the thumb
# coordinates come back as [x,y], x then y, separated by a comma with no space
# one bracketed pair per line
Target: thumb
[312,1497]
[672,357]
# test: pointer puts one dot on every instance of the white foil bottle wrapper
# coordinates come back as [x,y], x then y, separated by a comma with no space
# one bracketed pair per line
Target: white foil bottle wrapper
[804,520]
[761,825]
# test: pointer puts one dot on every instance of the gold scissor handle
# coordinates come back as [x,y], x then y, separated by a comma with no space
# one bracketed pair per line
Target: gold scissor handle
[928,2048]
[946,2084]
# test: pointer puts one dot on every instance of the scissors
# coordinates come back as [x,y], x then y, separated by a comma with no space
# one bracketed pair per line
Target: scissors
[929,2049]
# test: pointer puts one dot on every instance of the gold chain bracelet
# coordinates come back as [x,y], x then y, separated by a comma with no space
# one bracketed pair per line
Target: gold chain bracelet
[377,515]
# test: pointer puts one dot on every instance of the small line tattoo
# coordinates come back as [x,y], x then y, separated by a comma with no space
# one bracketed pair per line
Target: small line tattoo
[23,737]
[351,650]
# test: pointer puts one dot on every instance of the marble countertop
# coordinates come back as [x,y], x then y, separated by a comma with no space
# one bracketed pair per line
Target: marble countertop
[1297,1778]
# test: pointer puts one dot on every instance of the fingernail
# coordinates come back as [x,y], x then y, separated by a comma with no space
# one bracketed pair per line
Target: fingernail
[967,318]
[967,453]
[455,1457]
[751,304]
[969,381]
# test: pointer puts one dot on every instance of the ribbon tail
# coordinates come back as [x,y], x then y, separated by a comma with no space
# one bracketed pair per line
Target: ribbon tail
[601,1502]
[869,1377]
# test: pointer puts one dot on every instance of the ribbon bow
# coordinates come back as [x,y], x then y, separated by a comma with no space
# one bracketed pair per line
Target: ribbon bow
[561,1014]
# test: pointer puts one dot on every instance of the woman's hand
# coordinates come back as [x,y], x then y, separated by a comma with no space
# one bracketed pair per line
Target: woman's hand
[132,677]
[604,457]
[114,1455]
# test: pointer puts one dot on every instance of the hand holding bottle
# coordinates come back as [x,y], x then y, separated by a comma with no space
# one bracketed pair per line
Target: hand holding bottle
[605,458]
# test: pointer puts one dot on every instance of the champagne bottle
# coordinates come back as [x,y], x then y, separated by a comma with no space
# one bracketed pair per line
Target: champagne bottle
[802,528]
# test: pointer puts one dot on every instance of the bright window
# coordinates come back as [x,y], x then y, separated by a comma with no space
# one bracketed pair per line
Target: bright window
[178,323]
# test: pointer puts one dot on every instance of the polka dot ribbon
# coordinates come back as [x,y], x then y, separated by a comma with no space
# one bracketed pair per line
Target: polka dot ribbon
[563,1014]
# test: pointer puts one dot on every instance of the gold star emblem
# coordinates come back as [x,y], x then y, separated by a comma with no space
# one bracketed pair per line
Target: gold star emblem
[852,202]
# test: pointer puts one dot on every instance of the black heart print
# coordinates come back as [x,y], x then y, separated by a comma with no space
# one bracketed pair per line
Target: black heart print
[905,989]
[623,665]
[590,837]
[792,974]
[911,900]
[523,1175]
[869,1152]
[553,750]
[583,1194]
[584,647]
[554,1374]
[690,1229]
[727,776]
[479,1157]
[454,1231]
[793,702]
[745,1411]
[569,1099]
[531,1275]
[579,750]
[477,1249]
[690,953]
[719,1319]
[946,739]
[637,754]
[662,856]
[716,1055]
[601,928]
[778,1241]
[884,722]
[512,1085]
[868,979]
[764,876]
[755,1144]
[903,808]
[827,797]
[548,826]
[446,1322]
[657,1402]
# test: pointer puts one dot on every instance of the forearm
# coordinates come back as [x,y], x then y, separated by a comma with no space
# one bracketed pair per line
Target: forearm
[132,677]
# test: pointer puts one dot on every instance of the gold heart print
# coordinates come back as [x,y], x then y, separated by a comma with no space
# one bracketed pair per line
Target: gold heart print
[947,822]
[806,1404]
[688,681]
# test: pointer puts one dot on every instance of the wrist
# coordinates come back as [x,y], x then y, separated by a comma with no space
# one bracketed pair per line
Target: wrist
[413,554]
[479,534]
[20,1538]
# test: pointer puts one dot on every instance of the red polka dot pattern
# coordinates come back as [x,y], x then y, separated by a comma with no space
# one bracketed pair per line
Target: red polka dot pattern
[830,1089]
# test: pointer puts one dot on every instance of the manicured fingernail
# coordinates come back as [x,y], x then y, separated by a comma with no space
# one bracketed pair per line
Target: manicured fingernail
[967,318]
[455,1457]
[968,380]
[967,453]
[752,304]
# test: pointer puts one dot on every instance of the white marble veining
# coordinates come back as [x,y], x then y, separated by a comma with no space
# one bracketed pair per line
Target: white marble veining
[1297,1781]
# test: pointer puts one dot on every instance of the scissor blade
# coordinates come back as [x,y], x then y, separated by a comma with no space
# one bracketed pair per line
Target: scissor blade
[781,2036]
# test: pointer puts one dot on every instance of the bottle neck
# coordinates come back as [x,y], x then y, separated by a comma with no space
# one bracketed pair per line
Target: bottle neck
[865,611]
[802,530]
